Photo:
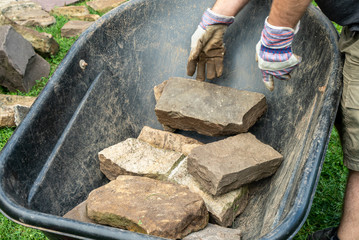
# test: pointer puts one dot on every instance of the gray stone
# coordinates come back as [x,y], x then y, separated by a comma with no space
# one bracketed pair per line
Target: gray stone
[28,14]
[148,206]
[167,140]
[135,157]
[50,4]
[226,165]
[79,213]
[12,109]
[207,108]
[21,66]
[103,6]
[74,28]
[223,209]
[215,232]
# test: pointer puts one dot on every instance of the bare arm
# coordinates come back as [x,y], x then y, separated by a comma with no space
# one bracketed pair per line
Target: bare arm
[287,13]
[228,7]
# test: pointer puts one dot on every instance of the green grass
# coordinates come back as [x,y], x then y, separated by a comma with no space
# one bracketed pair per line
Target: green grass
[327,205]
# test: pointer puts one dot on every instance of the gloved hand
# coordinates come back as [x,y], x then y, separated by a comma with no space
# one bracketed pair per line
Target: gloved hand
[207,48]
[274,53]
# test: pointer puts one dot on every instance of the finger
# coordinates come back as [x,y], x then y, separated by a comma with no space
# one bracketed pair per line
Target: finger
[219,66]
[201,69]
[284,77]
[299,58]
[191,67]
[211,69]
[268,80]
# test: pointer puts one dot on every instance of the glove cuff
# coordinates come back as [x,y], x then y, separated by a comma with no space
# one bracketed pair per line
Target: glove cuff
[211,18]
[277,37]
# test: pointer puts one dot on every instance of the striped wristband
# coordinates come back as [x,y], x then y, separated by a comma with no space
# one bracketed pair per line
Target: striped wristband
[211,18]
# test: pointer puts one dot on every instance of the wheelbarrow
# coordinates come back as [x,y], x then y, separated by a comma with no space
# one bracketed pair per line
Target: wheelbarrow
[102,93]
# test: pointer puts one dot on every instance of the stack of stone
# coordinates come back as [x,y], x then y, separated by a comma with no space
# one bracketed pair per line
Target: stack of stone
[163,183]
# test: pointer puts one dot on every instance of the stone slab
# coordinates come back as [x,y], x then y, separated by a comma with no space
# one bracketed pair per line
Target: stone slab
[148,206]
[47,5]
[207,108]
[223,209]
[215,232]
[28,14]
[167,140]
[226,165]
[135,157]
[103,6]
[79,213]
[74,28]
[35,70]
[10,112]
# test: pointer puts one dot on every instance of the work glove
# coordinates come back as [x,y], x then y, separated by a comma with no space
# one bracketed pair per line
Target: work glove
[274,53]
[207,48]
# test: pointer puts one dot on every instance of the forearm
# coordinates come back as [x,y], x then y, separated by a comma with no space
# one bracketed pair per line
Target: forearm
[287,13]
[228,7]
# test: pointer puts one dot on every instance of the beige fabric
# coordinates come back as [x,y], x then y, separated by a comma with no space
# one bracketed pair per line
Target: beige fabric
[207,53]
[348,124]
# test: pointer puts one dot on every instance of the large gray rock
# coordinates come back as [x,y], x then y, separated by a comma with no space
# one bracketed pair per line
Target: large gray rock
[21,66]
[167,140]
[74,28]
[135,157]
[223,209]
[103,6]
[225,165]
[28,14]
[148,206]
[43,43]
[13,109]
[207,108]
[215,232]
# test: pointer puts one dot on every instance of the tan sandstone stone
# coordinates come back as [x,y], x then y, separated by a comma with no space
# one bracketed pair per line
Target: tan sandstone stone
[207,108]
[148,206]
[215,232]
[74,28]
[75,12]
[28,14]
[135,157]
[167,140]
[79,213]
[226,165]
[223,209]
[103,6]
[7,108]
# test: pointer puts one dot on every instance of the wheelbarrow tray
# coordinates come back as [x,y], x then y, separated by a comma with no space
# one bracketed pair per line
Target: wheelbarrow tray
[50,163]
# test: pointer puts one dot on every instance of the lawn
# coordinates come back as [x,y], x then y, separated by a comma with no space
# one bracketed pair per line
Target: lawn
[326,208]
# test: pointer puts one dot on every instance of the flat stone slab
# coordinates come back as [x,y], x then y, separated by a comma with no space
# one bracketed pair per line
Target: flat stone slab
[215,232]
[50,4]
[28,14]
[103,6]
[167,140]
[12,109]
[148,206]
[207,108]
[135,157]
[79,213]
[75,12]
[223,209]
[74,28]
[226,165]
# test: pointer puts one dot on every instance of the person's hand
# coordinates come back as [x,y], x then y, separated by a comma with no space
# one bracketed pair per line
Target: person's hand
[207,48]
[274,53]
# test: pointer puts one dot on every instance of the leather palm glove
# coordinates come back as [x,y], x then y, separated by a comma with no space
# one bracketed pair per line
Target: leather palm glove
[274,53]
[207,48]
